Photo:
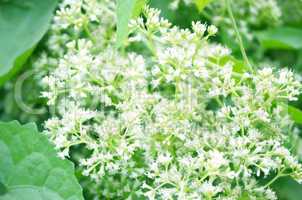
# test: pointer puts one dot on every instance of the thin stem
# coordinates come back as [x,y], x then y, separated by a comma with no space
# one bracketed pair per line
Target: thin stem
[238,36]
[272,181]
[150,44]
[280,174]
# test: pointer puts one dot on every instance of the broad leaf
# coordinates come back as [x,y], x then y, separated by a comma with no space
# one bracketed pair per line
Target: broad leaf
[30,168]
[126,9]
[281,38]
[19,62]
[201,4]
[22,25]
[287,189]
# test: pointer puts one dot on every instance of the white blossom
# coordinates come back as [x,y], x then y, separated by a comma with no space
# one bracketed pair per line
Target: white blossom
[173,123]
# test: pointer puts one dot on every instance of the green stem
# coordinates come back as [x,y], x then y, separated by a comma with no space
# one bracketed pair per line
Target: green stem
[150,44]
[272,181]
[238,36]
[280,174]
[89,34]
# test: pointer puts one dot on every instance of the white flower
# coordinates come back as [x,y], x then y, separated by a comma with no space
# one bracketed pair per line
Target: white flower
[174,117]
[209,190]
[212,30]
[199,28]
[216,159]
[262,115]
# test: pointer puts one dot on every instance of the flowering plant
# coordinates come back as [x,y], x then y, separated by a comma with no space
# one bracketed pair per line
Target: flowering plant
[147,109]
[175,121]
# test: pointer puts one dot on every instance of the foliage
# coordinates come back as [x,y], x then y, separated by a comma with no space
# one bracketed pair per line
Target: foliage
[281,38]
[125,11]
[201,4]
[22,25]
[149,108]
[152,104]
[30,169]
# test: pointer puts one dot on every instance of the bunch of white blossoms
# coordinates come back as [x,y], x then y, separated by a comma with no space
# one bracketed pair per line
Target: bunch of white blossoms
[249,14]
[174,120]
[74,19]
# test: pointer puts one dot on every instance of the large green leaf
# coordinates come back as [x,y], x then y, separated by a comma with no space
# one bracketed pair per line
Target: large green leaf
[126,9]
[281,38]
[287,189]
[22,25]
[30,168]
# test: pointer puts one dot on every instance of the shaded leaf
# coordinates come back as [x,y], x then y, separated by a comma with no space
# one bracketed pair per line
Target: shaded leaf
[281,38]
[3,189]
[176,17]
[22,25]
[19,62]
[287,189]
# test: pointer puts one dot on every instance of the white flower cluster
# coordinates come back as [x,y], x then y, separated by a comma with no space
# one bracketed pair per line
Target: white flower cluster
[176,121]
[248,13]
[76,18]
[73,20]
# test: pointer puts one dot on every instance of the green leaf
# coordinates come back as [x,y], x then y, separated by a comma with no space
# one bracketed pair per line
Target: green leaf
[287,189]
[138,7]
[294,113]
[244,196]
[30,168]
[176,17]
[238,65]
[19,62]
[201,4]
[126,9]
[281,38]
[22,25]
